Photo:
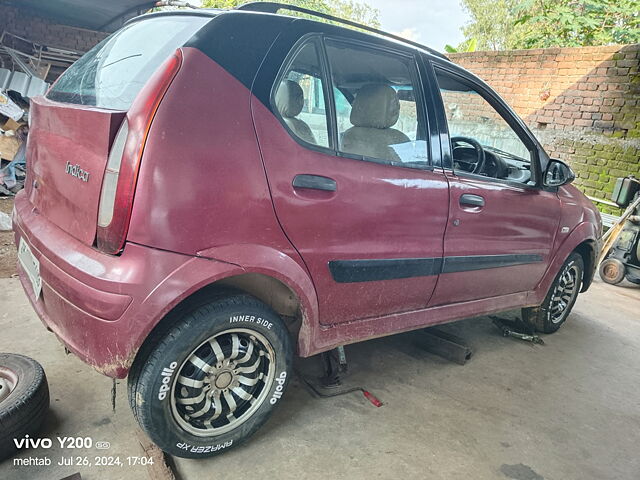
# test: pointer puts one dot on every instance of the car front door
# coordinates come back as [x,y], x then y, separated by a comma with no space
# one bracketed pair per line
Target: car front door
[501,225]
[352,182]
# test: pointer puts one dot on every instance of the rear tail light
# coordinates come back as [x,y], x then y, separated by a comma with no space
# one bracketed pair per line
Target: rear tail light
[111,174]
[121,173]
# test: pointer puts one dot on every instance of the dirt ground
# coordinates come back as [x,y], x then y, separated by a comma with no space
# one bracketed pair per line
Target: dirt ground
[8,255]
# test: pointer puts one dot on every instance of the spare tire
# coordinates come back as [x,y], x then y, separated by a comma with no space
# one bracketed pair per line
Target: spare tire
[612,271]
[24,399]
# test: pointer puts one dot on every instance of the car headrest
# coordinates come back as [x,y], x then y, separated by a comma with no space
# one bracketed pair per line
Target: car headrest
[289,99]
[375,106]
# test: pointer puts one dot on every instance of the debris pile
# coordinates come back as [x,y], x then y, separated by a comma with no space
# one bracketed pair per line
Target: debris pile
[28,65]
[13,143]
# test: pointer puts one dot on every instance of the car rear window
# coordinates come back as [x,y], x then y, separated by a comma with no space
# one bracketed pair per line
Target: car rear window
[112,73]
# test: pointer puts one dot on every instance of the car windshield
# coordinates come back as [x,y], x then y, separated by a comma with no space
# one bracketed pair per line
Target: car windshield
[112,73]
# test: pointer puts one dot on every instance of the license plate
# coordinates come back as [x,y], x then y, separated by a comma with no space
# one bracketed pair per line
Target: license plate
[31,265]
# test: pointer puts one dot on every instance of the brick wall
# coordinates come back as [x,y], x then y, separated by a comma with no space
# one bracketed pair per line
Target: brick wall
[25,23]
[583,104]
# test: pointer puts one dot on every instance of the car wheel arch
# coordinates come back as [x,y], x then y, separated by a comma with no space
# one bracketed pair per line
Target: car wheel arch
[582,239]
[287,290]
[588,251]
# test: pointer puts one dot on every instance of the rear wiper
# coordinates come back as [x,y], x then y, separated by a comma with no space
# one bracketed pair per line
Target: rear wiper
[121,59]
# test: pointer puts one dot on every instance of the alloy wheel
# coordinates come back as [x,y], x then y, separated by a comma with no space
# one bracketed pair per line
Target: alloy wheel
[564,293]
[223,382]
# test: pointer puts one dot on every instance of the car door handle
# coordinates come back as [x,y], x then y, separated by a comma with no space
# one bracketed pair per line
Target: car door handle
[315,182]
[470,200]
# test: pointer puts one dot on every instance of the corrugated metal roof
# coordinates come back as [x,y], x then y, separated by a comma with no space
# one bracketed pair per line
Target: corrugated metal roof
[22,83]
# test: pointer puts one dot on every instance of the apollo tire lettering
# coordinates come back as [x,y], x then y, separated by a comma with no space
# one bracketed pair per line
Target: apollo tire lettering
[166,374]
[277,393]
[251,319]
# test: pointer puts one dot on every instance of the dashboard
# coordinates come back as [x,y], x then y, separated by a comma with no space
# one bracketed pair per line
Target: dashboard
[498,164]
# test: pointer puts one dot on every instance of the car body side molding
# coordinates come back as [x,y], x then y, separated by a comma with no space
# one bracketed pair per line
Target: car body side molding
[370,270]
[480,262]
[352,271]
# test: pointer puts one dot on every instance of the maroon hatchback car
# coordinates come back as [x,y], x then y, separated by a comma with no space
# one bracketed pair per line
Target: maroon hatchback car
[210,191]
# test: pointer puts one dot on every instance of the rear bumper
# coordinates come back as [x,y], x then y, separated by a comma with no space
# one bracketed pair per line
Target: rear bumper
[100,306]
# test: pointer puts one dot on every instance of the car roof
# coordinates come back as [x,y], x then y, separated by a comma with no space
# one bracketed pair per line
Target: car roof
[370,32]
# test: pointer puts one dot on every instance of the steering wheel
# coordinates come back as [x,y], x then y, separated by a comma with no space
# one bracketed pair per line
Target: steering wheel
[479,163]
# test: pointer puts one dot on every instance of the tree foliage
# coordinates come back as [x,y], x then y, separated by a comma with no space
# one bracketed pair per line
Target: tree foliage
[349,9]
[492,23]
[506,24]
[470,45]
[548,23]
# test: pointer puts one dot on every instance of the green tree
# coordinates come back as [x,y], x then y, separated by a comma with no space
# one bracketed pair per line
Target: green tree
[507,24]
[349,9]
[492,24]
[574,23]
[470,45]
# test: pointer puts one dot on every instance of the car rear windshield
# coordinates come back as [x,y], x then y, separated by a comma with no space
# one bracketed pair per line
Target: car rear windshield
[112,73]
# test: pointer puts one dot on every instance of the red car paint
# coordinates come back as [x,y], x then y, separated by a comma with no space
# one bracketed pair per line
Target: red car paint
[58,131]
[327,226]
[495,230]
[214,202]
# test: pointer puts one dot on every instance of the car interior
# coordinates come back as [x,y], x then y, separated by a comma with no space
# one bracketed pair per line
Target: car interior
[377,113]
[374,102]
[482,142]
[289,102]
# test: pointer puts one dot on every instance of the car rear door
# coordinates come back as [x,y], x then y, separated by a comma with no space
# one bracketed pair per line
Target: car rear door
[500,232]
[369,229]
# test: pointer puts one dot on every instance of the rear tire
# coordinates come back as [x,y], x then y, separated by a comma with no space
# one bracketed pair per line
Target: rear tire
[612,271]
[24,400]
[562,295]
[213,377]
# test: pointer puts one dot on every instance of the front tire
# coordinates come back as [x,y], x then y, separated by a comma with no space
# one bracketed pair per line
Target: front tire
[212,378]
[562,295]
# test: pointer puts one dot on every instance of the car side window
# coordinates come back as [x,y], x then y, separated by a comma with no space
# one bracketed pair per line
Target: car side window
[299,99]
[482,141]
[376,105]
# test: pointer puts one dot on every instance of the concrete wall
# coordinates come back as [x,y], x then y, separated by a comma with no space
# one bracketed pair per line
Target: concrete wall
[582,103]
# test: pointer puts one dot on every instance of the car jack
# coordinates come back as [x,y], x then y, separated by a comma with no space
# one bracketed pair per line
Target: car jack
[517,329]
[333,368]
[331,382]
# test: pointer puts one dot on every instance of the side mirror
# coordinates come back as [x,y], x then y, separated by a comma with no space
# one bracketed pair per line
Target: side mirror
[558,173]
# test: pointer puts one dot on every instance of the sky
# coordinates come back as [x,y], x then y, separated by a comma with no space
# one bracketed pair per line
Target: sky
[433,23]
